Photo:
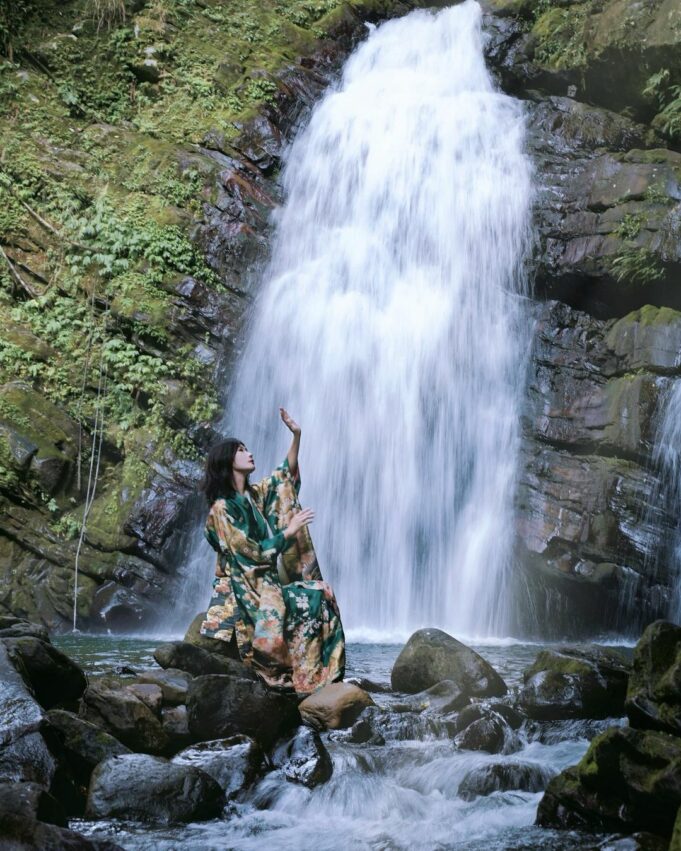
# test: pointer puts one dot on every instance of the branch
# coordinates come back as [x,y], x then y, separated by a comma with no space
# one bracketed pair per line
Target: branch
[25,286]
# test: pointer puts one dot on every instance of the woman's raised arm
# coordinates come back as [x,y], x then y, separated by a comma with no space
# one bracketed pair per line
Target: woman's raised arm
[294,428]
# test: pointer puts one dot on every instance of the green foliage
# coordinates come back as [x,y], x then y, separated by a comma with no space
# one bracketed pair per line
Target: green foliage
[560,34]
[660,86]
[630,226]
[637,266]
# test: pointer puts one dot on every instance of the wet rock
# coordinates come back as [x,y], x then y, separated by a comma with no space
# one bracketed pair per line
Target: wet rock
[334,707]
[54,678]
[443,697]
[148,788]
[106,703]
[219,706]
[11,627]
[78,747]
[575,682]
[148,693]
[628,780]
[489,733]
[27,758]
[175,723]
[83,744]
[377,725]
[234,763]
[172,682]
[511,716]
[30,818]
[303,759]
[502,777]
[362,733]
[654,693]
[197,661]
[24,756]
[432,655]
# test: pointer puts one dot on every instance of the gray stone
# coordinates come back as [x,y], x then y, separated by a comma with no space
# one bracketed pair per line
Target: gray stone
[432,655]
[234,763]
[303,759]
[220,706]
[147,788]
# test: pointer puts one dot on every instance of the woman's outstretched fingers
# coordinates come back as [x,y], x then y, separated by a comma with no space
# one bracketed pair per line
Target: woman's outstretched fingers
[288,421]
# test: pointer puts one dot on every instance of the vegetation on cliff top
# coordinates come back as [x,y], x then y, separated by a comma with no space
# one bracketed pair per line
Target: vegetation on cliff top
[101,102]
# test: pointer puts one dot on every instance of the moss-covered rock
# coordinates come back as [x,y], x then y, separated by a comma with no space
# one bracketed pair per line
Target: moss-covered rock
[628,780]
[575,682]
[654,692]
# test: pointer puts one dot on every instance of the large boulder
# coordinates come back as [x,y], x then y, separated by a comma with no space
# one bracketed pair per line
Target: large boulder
[53,677]
[11,627]
[628,780]
[78,747]
[24,756]
[575,682]
[303,759]
[502,777]
[654,693]
[234,763]
[148,788]
[432,655]
[219,706]
[109,704]
[197,661]
[334,706]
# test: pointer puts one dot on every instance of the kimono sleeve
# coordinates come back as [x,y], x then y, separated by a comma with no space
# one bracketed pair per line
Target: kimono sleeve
[225,536]
[266,489]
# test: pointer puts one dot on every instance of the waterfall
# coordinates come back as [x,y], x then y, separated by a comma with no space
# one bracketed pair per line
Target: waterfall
[667,457]
[391,325]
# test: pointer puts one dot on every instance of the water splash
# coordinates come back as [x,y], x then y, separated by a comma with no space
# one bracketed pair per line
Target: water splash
[390,324]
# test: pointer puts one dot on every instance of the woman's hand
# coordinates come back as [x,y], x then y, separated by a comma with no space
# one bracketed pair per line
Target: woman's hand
[298,521]
[289,422]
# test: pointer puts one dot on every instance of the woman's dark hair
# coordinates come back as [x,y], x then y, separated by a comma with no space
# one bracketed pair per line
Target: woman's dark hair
[218,478]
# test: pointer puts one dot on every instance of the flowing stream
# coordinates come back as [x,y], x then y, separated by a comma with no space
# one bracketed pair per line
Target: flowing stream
[391,325]
[400,796]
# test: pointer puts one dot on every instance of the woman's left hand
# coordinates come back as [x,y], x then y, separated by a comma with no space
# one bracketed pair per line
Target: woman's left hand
[288,421]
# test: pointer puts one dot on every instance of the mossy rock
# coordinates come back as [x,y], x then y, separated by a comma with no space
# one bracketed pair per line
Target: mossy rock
[628,780]
[654,692]
[575,682]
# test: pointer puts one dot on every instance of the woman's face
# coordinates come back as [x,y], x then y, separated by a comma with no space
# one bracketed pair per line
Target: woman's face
[243,461]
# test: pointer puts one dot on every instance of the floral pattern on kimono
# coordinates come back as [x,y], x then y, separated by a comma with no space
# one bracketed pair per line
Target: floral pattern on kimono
[291,633]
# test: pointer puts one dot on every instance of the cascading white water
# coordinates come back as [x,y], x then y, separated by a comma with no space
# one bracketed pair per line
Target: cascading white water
[390,325]
[667,456]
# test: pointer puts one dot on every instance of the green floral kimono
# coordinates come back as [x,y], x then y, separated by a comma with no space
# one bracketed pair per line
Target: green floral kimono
[289,631]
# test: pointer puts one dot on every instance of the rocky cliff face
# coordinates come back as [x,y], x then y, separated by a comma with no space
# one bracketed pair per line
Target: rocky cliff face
[139,195]
[592,516]
[137,188]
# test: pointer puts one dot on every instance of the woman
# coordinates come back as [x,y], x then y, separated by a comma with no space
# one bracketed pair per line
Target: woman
[285,618]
